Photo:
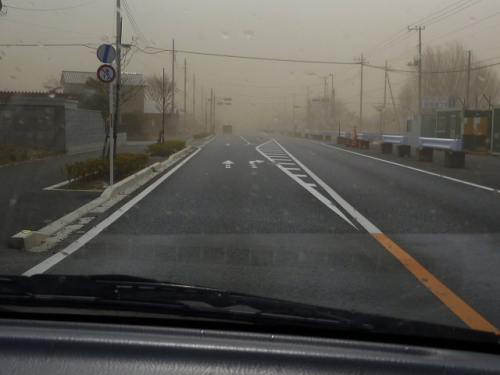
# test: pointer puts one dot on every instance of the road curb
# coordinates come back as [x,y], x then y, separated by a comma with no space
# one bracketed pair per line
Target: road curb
[29,239]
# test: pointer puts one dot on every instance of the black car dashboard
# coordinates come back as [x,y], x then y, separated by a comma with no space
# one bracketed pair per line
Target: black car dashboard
[64,347]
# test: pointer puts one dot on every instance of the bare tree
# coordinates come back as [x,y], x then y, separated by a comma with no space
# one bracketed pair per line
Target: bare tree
[445,74]
[159,91]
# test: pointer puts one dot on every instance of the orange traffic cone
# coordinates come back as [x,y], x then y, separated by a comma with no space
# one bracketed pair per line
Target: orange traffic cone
[355,142]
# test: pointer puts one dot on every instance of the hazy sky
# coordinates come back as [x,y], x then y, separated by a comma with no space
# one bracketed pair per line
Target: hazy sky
[313,30]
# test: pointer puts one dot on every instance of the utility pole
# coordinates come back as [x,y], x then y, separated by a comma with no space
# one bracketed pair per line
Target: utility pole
[173,82]
[393,102]
[294,126]
[284,112]
[382,111]
[361,61]
[194,95]
[211,108]
[419,28]
[468,82]
[308,111]
[163,107]
[118,72]
[185,94]
[332,105]
[213,116]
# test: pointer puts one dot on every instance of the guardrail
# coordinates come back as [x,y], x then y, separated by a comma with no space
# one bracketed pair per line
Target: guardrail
[368,136]
[388,140]
[441,143]
[395,139]
[454,157]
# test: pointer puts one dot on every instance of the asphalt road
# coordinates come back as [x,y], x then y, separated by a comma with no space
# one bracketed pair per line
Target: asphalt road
[299,220]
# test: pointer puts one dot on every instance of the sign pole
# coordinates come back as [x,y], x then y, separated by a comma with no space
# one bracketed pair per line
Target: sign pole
[111,138]
[107,74]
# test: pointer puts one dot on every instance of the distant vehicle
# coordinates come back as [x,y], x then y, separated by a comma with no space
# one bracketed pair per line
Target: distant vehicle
[227,129]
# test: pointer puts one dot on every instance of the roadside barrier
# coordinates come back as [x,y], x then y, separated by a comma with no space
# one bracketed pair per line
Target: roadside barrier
[404,149]
[454,157]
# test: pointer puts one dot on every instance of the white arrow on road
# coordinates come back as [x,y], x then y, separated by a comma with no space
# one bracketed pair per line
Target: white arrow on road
[228,163]
[252,163]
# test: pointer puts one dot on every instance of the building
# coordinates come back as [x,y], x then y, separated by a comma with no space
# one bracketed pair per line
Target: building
[133,86]
[50,122]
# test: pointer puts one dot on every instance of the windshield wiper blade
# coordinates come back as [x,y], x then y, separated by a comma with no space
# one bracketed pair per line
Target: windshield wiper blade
[131,293]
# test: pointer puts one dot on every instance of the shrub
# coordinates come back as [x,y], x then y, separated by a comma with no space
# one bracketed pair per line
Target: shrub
[12,153]
[166,149]
[95,168]
[202,135]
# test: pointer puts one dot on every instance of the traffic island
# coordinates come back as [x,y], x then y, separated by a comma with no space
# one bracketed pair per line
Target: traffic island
[27,239]
[454,159]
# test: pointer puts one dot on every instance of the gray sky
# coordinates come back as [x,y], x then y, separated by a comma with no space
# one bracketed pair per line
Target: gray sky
[316,30]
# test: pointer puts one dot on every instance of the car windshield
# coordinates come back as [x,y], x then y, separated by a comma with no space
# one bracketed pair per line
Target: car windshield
[340,154]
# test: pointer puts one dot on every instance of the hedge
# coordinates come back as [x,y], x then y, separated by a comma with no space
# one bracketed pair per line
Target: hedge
[166,149]
[12,153]
[95,168]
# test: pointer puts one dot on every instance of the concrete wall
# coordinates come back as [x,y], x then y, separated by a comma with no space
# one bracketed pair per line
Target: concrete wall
[40,125]
[50,122]
[85,130]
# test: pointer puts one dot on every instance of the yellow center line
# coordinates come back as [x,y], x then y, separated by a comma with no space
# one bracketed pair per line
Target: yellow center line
[470,316]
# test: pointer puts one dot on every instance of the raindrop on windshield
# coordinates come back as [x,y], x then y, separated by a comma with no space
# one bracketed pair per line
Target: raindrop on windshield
[249,34]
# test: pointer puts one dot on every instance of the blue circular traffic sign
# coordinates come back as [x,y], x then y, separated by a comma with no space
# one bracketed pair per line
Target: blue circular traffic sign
[106,53]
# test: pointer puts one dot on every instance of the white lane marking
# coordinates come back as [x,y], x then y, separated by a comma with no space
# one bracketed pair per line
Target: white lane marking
[207,142]
[228,163]
[287,163]
[70,249]
[301,175]
[247,143]
[313,191]
[363,221]
[413,168]
[252,163]
[292,169]
[312,185]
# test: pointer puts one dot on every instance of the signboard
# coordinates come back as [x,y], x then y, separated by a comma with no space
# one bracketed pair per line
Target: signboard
[106,53]
[106,73]
[435,102]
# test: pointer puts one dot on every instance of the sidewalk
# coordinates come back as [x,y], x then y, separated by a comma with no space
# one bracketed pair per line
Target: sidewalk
[482,170]
[25,205]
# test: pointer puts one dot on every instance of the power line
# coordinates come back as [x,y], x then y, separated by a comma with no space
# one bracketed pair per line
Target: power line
[423,20]
[88,45]
[462,28]
[52,28]
[249,57]
[136,28]
[53,9]
[449,15]
[388,43]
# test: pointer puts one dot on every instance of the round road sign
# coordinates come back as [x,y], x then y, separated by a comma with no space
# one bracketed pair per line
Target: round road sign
[106,53]
[106,73]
